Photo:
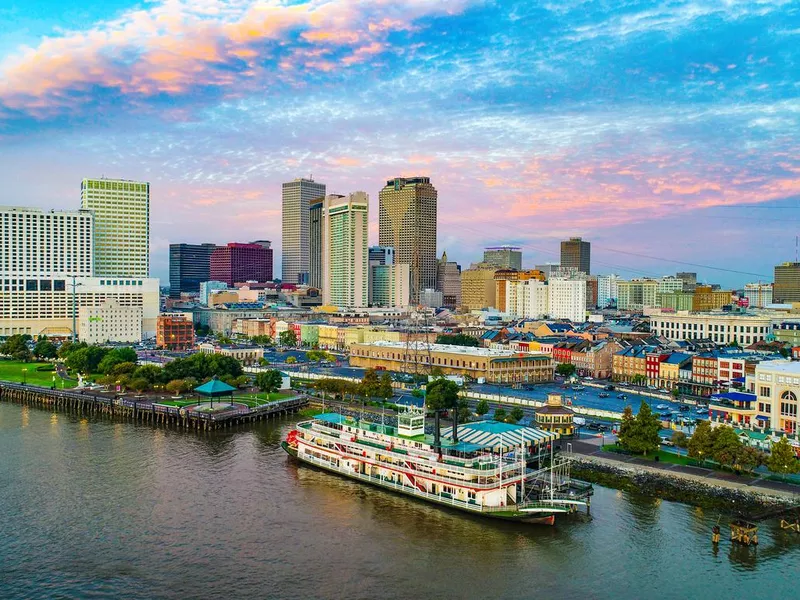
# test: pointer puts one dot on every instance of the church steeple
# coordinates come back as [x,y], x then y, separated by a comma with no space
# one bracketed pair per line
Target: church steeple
[444,256]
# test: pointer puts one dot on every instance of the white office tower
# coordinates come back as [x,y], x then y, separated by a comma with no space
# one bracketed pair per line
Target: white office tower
[567,297]
[296,227]
[345,254]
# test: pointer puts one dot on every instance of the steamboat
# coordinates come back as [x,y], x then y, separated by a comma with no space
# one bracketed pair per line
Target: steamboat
[487,468]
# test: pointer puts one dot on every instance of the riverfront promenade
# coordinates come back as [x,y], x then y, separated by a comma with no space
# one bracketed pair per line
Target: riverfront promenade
[590,450]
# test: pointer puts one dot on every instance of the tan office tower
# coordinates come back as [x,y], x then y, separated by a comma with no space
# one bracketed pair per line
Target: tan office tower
[576,254]
[296,245]
[478,288]
[345,250]
[407,222]
[121,225]
[787,282]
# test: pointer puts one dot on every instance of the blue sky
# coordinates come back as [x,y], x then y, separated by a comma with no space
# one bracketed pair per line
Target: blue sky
[665,133]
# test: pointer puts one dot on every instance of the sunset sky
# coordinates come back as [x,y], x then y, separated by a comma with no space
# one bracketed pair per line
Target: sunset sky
[664,133]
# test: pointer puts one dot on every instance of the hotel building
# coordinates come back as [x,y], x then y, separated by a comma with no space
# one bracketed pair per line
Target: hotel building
[345,251]
[121,226]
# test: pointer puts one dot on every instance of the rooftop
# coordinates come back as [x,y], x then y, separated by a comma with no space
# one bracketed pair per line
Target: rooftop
[447,349]
[781,366]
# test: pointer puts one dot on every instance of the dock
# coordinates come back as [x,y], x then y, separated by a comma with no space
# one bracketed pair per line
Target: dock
[142,410]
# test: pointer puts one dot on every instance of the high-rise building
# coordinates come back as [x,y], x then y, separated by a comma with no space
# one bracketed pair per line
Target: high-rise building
[295,215]
[38,244]
[567,297]
[407,222]
[607,290]
[448,281]
[345,254]
[121,226]
[315,219]
[478,289]
[787,282]
[503,279]
[576,254]
[758,295]
[389,285]
[238,263]
[431,298]
[548,269]
[189,265]
[381,255]
[503,257]
[689,280]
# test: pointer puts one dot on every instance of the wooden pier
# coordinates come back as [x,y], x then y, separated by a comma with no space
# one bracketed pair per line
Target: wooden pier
[143,410]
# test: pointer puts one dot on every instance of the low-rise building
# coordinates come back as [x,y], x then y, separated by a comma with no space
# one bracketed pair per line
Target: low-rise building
[630,364]
[555,416]
[707,299]
[737,409]
[595,359]
[722,327]
[669,374]
[110,322]
[491,365]
[175,331]
[247,355]
[776,384]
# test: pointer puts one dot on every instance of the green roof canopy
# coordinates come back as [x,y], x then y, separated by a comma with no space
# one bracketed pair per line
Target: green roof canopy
[215,387]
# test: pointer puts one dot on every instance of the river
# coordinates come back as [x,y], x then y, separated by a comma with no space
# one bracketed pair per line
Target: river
[98,509]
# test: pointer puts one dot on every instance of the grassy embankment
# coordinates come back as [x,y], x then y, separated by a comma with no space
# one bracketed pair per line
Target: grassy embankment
[12,370]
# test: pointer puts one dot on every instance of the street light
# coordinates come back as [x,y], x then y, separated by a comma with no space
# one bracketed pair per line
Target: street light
[24,375]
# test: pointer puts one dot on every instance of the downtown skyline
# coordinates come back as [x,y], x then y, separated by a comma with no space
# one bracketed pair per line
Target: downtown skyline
[664,132]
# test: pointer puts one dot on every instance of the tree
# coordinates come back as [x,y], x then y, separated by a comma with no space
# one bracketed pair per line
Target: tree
[500,414]
[124,368]
[177,386]
[626,428]
[288,338]
[701,444]
[385,389]
[516,414]
[291,360]
[270,381]
[457,339]
[22,355]
[16,346]
[140,385]
[639,379]
[726,445]
[482,408]
[676,394]
[749,458]
[368,387]
[782,460]
[565,370]
[261,340]
[44,348]
[442,394]
[151,373]
[679,439]
[643,437]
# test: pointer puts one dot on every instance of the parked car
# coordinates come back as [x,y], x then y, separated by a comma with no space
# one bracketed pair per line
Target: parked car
[665,441]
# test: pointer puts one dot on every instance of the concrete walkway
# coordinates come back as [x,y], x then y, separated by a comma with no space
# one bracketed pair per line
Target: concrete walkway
[590,449]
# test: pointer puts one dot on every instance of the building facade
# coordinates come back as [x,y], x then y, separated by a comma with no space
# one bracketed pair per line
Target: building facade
[209,287]
[448,281]
[576,254]
[721,327]
[494,366]
[110,321]
[787,282]
[238,263]
[567,298]
[758,295]
[189,265]
[345,253]
[38,244]
[637,294]
[478,288]
[175,331]
[296,199]
[315,220]
[390,285]
[49,310]
[121,226]
[503,257]
[707,299]
[407,217]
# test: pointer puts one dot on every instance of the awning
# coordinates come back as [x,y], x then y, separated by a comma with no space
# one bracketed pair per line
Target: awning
[492,435]
[762,418]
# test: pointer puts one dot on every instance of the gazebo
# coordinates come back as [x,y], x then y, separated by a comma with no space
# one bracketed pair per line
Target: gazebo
[214,389]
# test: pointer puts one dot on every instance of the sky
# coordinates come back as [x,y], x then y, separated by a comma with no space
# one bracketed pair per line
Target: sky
[667,134]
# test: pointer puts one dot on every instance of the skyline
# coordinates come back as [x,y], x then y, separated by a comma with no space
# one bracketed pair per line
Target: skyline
[666,132]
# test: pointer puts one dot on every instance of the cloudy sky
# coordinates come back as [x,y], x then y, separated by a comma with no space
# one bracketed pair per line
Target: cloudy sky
[665,133]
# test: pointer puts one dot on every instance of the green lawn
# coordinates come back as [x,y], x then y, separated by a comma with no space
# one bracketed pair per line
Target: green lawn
[250,400]
[11,370]
[663,456]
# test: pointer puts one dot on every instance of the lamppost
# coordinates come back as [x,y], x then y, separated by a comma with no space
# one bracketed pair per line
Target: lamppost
[54,383]
[24,375]
[74,309]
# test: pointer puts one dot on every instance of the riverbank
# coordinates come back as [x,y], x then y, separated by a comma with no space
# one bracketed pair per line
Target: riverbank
[689,488]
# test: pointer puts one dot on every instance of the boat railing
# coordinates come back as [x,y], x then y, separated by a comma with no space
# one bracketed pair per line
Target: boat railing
[486,461]
[440,498]
[487,466]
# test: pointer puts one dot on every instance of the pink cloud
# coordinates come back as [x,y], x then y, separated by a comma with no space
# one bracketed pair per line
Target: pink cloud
[174,46]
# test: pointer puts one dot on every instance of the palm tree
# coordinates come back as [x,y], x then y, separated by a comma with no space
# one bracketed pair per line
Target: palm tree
[442,394]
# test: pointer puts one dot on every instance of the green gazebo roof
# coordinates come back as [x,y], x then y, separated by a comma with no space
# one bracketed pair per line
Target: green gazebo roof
[215,387]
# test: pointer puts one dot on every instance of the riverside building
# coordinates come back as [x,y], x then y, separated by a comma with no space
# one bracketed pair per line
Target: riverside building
[121,225]
[491,365]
